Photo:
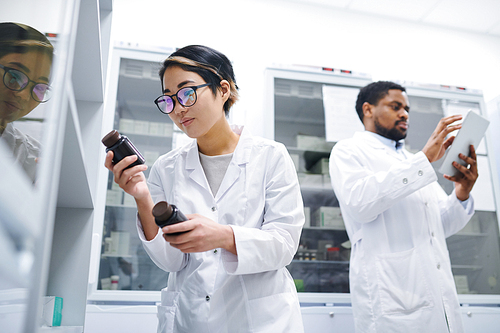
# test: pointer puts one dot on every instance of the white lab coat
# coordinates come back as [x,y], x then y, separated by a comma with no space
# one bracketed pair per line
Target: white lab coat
[397,217]
[25,149]
[216,291]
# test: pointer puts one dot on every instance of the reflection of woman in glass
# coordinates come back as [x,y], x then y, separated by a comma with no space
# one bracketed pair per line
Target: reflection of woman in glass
[242,198]
[25,63]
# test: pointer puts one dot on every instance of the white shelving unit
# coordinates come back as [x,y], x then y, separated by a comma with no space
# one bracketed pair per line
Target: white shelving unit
[53,220]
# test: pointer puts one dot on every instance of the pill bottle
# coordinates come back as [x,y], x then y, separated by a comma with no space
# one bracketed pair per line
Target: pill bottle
[333,254]
[121,147]
[114,282]
[167,214]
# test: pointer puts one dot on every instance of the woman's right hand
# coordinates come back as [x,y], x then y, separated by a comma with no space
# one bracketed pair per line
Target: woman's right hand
[132,180]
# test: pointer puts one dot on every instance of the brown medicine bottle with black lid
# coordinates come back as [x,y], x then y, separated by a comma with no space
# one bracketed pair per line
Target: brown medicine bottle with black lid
[121,147]
[166,214]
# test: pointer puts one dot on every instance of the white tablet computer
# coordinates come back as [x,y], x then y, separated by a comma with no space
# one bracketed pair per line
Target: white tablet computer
[473,128]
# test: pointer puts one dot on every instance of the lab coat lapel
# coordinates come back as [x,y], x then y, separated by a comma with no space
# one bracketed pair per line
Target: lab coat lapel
[194,168]
[376,144]
[241,157]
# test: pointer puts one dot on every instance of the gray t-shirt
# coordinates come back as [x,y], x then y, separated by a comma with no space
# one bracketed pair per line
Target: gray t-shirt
[215,168]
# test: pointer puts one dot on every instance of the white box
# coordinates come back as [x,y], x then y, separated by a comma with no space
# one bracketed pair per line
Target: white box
[126,125]
[309,142]
[106,283]
[156,129]
[462,284]
[307,214]
[329,217]
[151,157]
[168,129]
[115,186]
[327,182]
[120,243]
[295,159]
[128,200]
[114,197]
[472,227]
[52,310]
[310,180]
[314,143]
[141,127]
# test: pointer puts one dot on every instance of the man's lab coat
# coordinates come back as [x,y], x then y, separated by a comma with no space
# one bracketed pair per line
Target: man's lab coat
[397,217]
[216,291]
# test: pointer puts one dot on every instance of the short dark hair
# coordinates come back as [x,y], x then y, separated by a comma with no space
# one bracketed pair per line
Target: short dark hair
[211,65]
[21,38]
[373,93]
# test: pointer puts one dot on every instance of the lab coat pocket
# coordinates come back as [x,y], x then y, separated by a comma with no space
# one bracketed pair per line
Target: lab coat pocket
[274,313]
[403,286]
[167,310]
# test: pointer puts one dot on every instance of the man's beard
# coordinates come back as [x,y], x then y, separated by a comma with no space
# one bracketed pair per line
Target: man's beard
[392,133]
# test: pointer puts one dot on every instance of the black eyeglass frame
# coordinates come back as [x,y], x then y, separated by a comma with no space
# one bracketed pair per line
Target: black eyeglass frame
[176,98]
[8,69]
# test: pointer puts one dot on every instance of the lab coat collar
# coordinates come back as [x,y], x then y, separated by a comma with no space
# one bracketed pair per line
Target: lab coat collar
[377,141]
[241,156]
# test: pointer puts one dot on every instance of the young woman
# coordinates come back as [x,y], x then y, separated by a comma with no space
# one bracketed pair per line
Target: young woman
[242,199]
[25,63]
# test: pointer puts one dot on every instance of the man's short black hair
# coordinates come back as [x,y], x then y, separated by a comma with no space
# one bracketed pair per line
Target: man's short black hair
[373,93]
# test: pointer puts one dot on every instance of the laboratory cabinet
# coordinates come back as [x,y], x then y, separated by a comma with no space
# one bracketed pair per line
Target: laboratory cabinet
[46,224]
[121,261]
[474,251]
[314,108]
[303,100]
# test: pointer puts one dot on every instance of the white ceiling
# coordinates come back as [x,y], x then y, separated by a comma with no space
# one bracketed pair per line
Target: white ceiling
[479,16]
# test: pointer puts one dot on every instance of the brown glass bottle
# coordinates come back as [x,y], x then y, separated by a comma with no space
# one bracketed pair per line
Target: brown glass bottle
[166,214]
[121,147]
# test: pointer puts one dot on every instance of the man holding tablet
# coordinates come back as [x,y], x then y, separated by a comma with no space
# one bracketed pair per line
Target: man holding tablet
[397,217]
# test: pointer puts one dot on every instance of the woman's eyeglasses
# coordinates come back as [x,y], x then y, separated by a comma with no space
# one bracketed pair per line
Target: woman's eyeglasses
[185,96]
[16,80]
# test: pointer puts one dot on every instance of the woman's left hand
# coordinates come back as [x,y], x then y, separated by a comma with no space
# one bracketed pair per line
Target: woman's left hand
[200,234]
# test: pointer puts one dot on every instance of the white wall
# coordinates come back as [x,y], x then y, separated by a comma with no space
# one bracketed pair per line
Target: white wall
[45,16]
[258,33]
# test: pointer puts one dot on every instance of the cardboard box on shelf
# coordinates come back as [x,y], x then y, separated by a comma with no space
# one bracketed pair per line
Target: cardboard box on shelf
[156,129]
[329,217]
[472,227]
[126,125]
[462,284]
[314,143]
[307,214]
[141,127]
[296,160]
[310,180]
[52,310]
[114,197]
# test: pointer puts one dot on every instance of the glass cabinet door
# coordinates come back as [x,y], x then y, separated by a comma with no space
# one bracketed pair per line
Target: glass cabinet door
[321,264]
[474,250]
[124,265]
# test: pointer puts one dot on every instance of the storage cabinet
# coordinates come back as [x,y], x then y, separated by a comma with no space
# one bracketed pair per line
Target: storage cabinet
[474,251]
[321,264]
[123,263]
[312,106]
